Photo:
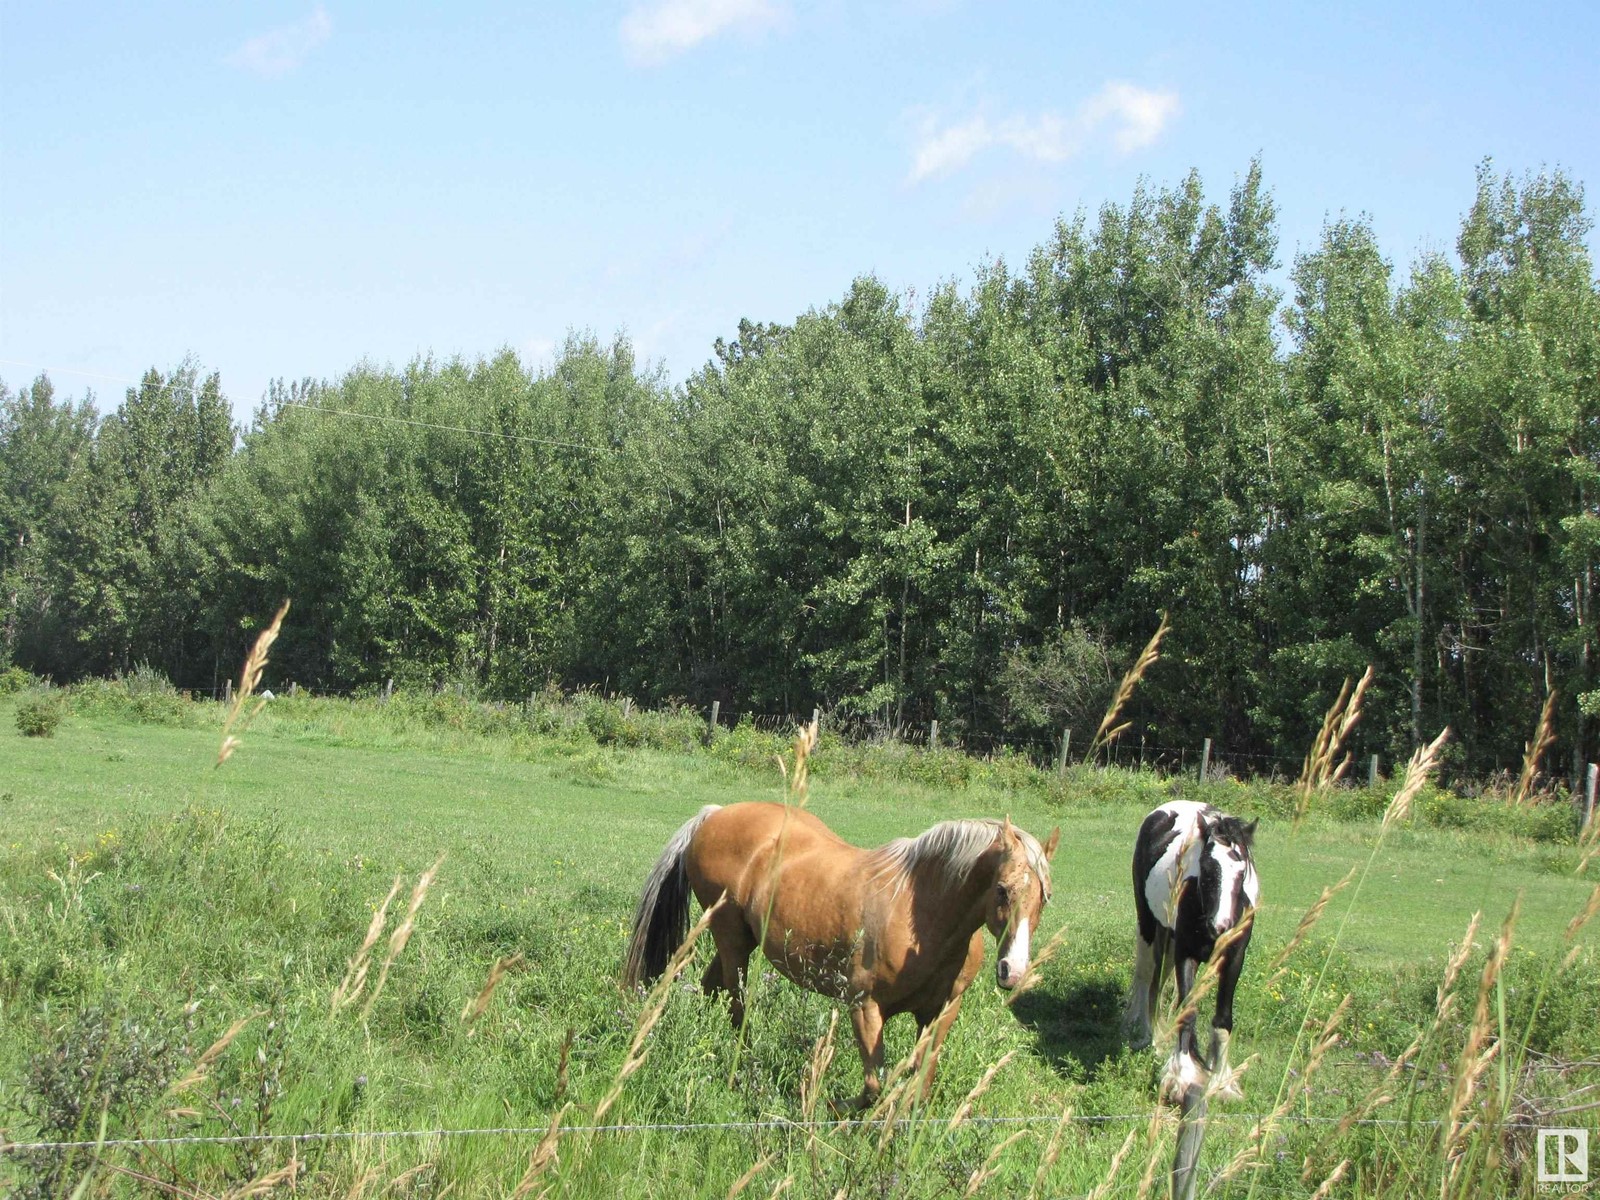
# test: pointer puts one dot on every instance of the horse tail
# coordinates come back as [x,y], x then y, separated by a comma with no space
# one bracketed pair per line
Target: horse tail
[662,920]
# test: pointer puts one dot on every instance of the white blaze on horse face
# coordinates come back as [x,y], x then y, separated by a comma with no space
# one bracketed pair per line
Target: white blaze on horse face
[1231,871]
[1013,963]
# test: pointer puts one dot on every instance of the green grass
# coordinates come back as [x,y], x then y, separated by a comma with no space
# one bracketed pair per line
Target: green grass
[148,899]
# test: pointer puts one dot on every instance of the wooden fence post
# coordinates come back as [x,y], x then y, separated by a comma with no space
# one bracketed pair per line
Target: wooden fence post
[227,691]
[816,717]
[1061,758]
[1205,761]
[933,735]
[1588,805]
[388,689]
[294,689]
[716,707]
[1372,773]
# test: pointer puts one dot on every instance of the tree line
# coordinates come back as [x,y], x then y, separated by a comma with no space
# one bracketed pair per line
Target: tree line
[971,506]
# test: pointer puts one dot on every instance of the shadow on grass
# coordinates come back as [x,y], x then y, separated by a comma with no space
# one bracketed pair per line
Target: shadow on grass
[1077,1027]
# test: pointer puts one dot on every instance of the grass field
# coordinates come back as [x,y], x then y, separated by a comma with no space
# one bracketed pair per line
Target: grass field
[149,900]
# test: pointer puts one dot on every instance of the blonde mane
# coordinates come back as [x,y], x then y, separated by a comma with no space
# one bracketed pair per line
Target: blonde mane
[952,849]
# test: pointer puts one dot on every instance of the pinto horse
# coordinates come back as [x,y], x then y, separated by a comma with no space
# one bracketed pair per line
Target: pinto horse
[1193,881]
[892,930]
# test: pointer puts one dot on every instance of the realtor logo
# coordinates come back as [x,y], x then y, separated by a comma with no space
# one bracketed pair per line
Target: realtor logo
[1563,1156]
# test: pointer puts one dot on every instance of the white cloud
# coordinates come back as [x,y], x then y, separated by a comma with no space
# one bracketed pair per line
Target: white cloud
[281,50]
[1139,114]
[1134,117]
[654,32]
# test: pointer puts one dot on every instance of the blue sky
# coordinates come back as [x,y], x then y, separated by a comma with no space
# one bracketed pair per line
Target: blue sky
[286,188]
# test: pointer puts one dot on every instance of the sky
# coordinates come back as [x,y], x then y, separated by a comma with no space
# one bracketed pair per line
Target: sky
[286,189]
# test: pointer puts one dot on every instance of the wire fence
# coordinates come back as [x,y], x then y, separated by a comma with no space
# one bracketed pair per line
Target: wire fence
[693,1127]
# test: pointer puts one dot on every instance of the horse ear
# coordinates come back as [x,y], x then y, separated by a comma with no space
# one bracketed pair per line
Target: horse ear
[1250,831]
[1050,843]
[1008,835]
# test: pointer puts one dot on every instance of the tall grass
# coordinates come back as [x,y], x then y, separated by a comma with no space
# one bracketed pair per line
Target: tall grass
[209,973]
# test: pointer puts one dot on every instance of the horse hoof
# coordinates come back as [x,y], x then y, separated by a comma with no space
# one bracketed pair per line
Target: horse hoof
[1225,1087]
[1183,1075]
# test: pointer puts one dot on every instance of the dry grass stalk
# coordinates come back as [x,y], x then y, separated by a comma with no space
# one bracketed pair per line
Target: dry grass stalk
[782,1186]
[197,1073]
[1103,1188]
[1544,736]
[654,1005]
[1423,762]
[355,976]
[402,932]
[987,1171]
[1478,1051]
[405,1177]
[1323,766]
[1030,977]
[270,1182]
[1589,841]
[249,679]
[1052,1151]
[1109,730]
[362,1182]
[797,782]
[821,1057]
[1325,1188]
[1250,1155]
[978,1089]
[1308,922]
[1584,916]
[476,1008]
[743,1181]
[545,1155]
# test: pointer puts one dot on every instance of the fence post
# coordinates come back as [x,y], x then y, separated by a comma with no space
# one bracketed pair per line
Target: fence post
[716,707]
[816,718]
[1588,805]
[933,735]
[1372,773]
[1205,761]
[1061,759]
[627,707]
[294,689]
[388,689]
[227,691]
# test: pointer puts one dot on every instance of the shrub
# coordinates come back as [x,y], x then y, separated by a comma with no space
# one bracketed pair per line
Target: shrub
[15,679]
[41,714]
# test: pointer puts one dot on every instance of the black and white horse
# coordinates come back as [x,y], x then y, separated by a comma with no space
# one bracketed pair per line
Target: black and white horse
[1193,881]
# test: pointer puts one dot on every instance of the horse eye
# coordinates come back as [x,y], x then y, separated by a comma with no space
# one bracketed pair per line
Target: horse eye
[1002,894]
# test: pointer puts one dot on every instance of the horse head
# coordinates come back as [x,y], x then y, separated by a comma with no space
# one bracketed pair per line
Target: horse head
[1226,871]
[1020,892]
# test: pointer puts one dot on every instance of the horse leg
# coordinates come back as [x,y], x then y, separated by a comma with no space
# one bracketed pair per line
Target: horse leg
[941,1019]
[1225,1083]
[727,971]
[867,1021]
[1184,1071]
[1159,950]
[1146,966]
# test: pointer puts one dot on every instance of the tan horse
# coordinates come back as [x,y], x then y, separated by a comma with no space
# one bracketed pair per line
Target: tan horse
[892,930]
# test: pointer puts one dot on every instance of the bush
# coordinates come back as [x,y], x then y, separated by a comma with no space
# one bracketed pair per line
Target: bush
[41,714]
[14,680]
[143,694]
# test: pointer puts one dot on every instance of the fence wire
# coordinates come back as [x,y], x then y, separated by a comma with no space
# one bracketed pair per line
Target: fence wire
[686,1127]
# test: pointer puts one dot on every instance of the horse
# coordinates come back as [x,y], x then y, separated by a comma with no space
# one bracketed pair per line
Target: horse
[1193,882]
[893,930]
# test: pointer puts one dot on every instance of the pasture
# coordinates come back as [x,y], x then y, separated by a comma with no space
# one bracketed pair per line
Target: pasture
[149,901]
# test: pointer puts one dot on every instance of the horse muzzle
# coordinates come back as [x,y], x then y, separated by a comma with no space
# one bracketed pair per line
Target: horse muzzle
[1013,964]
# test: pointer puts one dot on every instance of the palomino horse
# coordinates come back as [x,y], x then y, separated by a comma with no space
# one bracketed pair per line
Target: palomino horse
[892,930]
[1193,881]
